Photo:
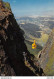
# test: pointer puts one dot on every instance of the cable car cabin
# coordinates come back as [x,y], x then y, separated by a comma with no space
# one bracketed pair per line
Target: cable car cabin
[34,45]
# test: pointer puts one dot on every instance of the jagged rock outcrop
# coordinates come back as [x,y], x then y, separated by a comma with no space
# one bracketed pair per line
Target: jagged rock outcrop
[46,56]
[13,47]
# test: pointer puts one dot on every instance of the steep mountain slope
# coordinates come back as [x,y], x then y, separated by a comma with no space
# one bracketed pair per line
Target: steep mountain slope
[46,56]
[13,46]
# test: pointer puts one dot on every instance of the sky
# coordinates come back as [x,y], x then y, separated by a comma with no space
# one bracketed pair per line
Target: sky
[31,7]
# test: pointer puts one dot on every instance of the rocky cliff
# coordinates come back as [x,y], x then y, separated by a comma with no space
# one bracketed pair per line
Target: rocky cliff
[13,51]
[46,56]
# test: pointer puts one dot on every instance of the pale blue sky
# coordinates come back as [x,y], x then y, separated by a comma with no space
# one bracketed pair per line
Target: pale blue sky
[31,7]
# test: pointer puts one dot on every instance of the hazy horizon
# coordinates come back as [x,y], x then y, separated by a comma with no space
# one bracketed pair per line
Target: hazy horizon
[32,7]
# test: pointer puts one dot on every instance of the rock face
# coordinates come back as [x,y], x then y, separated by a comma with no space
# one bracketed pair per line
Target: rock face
[13,48]
[46,57]
[5,68]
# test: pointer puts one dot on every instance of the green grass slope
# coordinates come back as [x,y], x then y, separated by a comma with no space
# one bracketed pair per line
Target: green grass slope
[49,69]
[47,56]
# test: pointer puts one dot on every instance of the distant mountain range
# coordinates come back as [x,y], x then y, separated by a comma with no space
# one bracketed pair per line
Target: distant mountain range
[37,28]
[31,29]
[40,21]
